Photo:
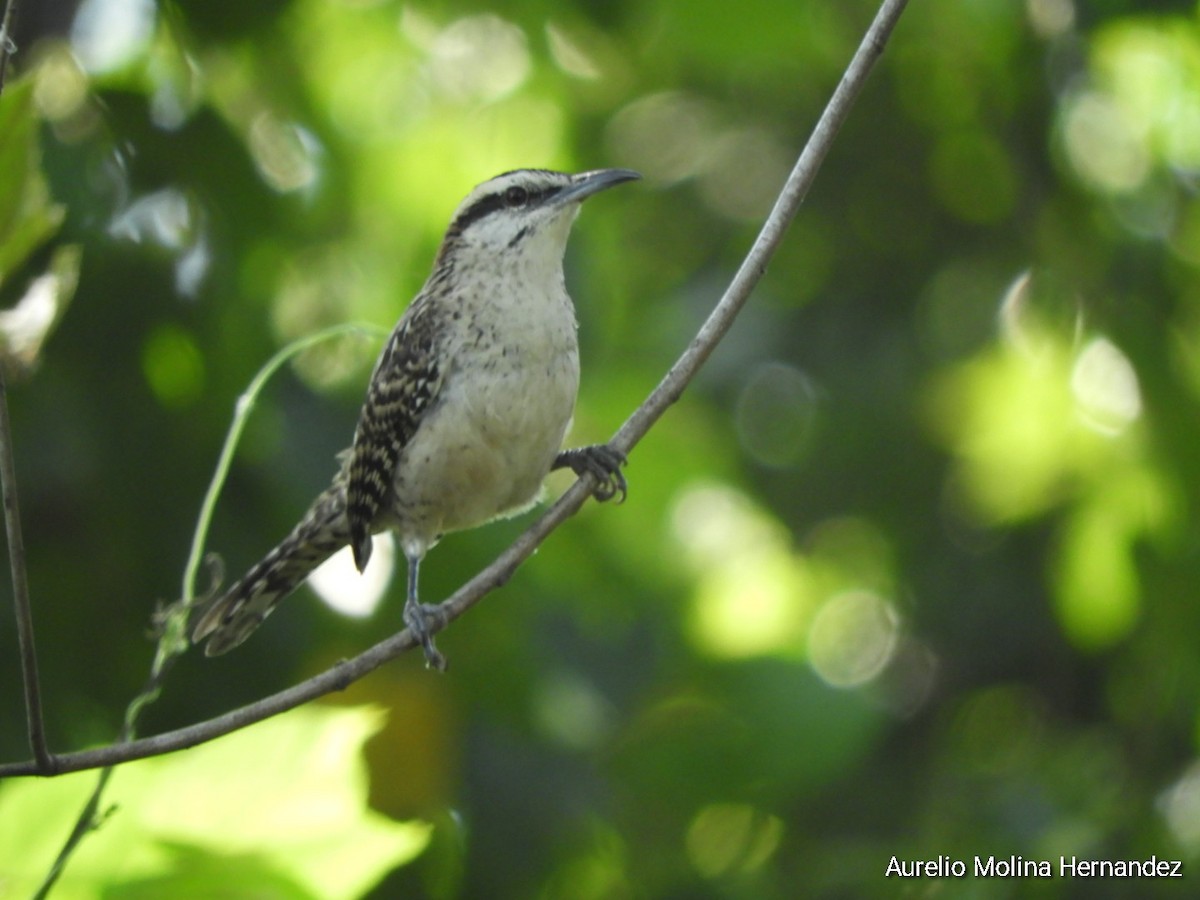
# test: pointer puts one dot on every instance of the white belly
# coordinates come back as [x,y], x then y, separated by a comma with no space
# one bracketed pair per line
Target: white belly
[485,448]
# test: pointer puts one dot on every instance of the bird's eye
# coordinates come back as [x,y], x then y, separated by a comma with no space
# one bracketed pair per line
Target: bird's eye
[516,196]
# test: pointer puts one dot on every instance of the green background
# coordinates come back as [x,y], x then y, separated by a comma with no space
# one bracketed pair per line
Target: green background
[911,570]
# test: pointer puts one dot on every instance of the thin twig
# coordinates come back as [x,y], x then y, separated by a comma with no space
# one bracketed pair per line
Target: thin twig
[496,574]
[7,45]
[172,625]
[241,414]
[83,826]
[89,818]
[12,512]
[20,580]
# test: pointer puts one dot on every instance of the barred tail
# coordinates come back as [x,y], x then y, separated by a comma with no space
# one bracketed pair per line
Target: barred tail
[233,616]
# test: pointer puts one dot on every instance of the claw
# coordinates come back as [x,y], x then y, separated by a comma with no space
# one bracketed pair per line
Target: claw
[602,462]
[423,620]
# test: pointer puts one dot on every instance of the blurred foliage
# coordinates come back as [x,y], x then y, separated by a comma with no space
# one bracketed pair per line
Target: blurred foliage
[28,219]
[911,570]
[299,778]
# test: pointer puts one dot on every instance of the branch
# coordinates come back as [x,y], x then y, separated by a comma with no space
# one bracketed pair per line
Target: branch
[12,511]
[7,45]
[667,392]
[336,678]
[769,238]
[20,580]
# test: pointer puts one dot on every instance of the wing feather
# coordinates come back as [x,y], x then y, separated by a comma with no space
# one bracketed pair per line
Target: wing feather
[403,387]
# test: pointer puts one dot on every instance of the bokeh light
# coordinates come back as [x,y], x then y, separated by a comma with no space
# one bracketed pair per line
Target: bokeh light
[753,594]
[852,638]
[173,366]
[1180,806]
[776,415]
[343,588]
[108,34]
[1105,386]
[730,837]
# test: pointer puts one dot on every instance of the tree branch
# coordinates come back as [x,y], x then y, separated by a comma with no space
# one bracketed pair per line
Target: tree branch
[667,392]
[786,206]
[20,580]
[12,511]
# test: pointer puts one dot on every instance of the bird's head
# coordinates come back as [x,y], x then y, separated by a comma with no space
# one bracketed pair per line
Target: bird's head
[518,211]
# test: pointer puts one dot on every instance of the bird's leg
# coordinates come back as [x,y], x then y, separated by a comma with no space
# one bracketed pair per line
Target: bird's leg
[600,460]
[423,620]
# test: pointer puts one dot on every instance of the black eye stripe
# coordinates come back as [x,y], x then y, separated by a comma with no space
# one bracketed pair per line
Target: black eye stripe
[490,203]
[482,207]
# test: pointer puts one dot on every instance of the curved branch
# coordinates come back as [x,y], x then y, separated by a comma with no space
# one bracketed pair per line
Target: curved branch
[635,427]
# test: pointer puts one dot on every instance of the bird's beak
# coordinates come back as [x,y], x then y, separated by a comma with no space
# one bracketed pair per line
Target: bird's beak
[585,184]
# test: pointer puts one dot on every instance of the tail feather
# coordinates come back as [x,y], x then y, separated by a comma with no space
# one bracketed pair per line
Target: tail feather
[233,616]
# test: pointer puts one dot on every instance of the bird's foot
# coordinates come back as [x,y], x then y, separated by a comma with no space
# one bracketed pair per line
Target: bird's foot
[424,620]
[601,461]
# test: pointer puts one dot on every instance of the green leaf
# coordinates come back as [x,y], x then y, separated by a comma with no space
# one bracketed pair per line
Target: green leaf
[27,214]
[282,804]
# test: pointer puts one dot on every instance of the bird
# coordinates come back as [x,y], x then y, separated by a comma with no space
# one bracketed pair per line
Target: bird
[466,410]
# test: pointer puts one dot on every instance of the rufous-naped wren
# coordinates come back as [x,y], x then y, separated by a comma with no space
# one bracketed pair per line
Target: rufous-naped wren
[466,410]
